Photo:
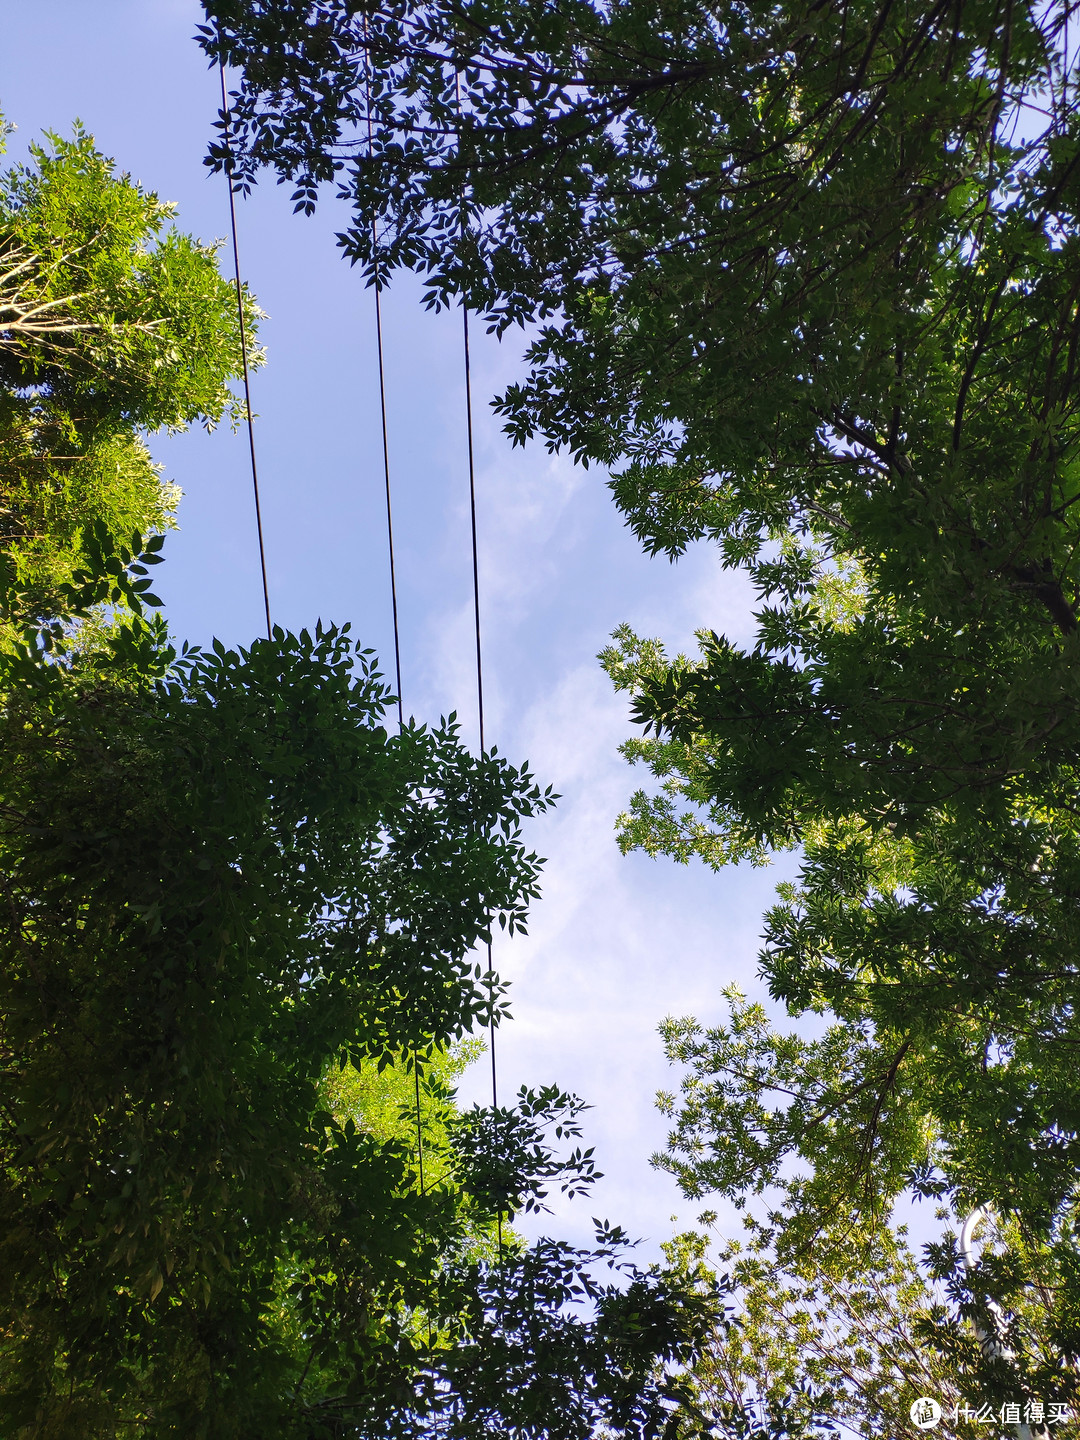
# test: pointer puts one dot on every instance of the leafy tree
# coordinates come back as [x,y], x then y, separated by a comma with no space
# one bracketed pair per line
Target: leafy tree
[524,1364]
[237,910]
[403,1098]
[836,1322]
[806,281]
[238,928]
[213,889]
[111,326]
[817,1354]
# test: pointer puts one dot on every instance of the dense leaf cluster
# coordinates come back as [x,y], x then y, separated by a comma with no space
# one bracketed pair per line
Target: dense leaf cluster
[215,885]
[227,891]
[821,1352]
[112,324]
[506,1159]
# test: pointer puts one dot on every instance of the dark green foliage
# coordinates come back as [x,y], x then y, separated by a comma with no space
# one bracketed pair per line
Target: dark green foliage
[504,1159]
[216,884]
[222,878]
[525,1364]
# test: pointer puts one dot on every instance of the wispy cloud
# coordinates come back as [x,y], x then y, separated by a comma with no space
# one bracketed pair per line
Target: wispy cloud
[615,943]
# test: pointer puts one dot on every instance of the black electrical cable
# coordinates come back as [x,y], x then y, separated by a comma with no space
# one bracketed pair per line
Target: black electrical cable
[397,639]
[385,436]
[393,572]
[394,607]
[389,507]
[386,478]
[479,647]
[479,692]
[472,519]
[225,118]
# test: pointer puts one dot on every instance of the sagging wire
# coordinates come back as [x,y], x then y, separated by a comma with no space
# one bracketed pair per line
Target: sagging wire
[226,121]
[385,429]
[389,521]
[225,116]
[397,628]
[390,547]
[480,697]
[467,358]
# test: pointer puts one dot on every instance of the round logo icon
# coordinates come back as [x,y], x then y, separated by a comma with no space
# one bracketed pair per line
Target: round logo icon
[925,1413]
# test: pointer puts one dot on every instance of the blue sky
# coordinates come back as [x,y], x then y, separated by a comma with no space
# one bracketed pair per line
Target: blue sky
[616,943]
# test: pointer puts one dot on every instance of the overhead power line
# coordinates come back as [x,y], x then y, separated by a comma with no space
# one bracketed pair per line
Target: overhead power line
[225,115]
[479,685]
[225,118]
[393,602]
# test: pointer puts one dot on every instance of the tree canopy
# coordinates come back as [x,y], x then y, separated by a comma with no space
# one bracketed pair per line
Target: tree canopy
[806,281]
[232,897]
[216,887]
[113,324]
[237,1197]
